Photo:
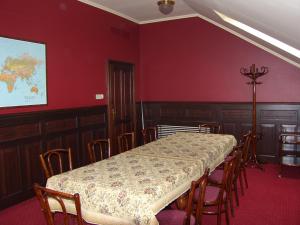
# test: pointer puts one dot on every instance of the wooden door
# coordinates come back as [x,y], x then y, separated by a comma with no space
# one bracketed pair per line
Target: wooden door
[121,103]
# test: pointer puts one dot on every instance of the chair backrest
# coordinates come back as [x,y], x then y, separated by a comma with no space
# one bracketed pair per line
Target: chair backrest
[238,152]
[229,168]
[149,134]
[245,143]
[100,146]
[44,195]
[201,184]
[235,167]
[126,141]
[54,159]
[214,128]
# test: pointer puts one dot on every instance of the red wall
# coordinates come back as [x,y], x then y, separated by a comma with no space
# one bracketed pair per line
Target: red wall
[80,39]
[182,60]
[192,60]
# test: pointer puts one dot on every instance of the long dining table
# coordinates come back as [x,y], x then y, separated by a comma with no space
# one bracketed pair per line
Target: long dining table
[132,187]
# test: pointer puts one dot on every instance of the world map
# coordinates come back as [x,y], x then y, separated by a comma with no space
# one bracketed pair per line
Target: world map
[22,73]
[19,68]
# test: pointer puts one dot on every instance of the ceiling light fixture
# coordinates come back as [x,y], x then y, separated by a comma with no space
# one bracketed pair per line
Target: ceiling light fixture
[166,6]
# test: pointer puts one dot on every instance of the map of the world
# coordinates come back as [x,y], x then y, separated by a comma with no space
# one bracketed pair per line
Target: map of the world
[22,73]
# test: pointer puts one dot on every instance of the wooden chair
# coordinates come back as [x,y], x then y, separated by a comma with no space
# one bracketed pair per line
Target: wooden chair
[48,161]
[217,194]
[44,194]
[232,180]
[236,176]
[200,187]
[210,128]
[245,143]
[180,217]
[217,175]
[149,134]
[100,146]
[126,142]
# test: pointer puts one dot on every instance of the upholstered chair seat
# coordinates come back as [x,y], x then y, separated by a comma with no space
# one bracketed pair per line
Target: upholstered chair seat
[172,217]
[211,193]
[216,175]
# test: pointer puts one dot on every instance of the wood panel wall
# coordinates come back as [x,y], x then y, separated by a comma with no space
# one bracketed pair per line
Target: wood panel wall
[235,118]
[24,136]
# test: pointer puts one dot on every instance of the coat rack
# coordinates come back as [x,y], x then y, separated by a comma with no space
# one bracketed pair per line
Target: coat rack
[254,73]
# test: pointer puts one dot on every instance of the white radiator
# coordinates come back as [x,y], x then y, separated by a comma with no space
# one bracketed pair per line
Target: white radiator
[165,130]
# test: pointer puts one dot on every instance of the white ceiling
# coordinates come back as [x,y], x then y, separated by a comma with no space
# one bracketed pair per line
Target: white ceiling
[276,18]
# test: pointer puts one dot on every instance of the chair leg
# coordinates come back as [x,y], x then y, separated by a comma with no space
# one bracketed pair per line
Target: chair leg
[236,193]
[226,212]
[219,214]
[245,177]
[280,171]
[199,220]
[241,183]
[231,203]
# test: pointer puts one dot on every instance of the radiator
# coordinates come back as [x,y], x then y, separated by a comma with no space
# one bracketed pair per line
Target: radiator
[165,130]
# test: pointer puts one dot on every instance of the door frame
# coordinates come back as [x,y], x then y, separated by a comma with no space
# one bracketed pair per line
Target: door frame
[109,107]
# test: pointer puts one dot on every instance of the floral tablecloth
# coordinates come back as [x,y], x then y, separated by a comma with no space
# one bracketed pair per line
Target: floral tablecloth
[132,187]
[210,149]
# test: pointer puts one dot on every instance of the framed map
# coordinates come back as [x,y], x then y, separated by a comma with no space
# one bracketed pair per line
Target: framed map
[22,73]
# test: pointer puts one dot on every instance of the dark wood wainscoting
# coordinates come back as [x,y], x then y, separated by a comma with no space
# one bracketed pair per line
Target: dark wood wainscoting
[24,136]
[235,119]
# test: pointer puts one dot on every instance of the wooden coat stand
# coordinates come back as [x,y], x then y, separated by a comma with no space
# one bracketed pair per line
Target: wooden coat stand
[253,73]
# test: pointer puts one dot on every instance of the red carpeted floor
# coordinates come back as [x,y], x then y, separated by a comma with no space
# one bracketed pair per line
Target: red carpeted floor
[268,201]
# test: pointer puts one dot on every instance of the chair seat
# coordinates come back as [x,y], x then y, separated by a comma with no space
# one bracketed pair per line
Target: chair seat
[211,193]
[216,175]
[172,217]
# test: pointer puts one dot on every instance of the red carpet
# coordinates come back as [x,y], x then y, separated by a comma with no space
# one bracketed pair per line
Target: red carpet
[25,213]
[268,201]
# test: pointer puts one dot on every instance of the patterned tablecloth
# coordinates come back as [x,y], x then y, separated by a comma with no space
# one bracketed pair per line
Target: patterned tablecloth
[132,187]
[210,149]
